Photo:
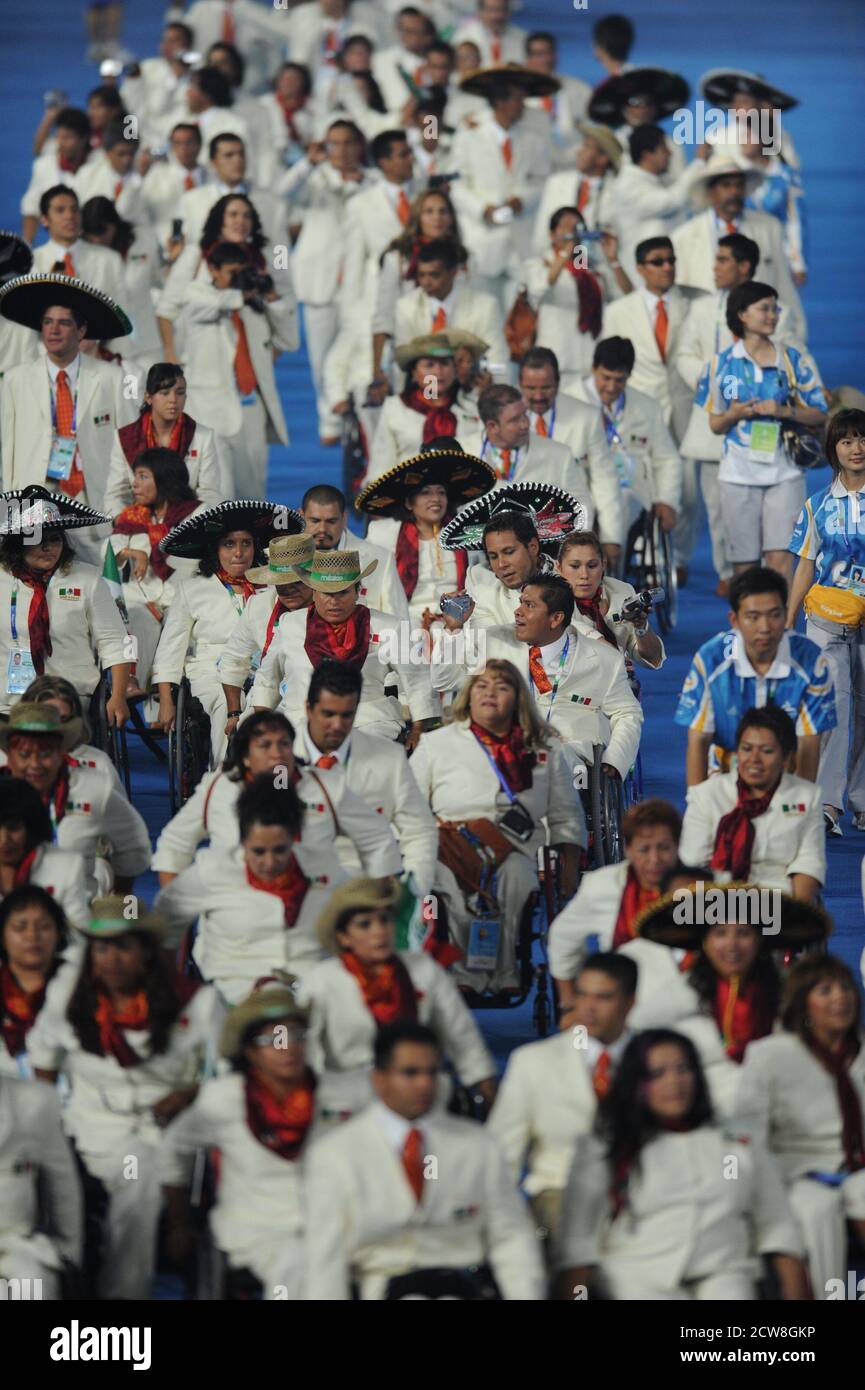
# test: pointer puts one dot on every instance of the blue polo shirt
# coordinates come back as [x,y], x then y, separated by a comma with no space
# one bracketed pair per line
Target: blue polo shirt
[831,532]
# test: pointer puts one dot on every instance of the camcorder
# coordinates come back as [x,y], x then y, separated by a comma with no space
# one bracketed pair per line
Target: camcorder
[457,606]
[643,602]
[249,279]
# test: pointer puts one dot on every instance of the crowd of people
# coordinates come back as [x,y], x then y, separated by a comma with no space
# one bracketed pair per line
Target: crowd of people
[550,333]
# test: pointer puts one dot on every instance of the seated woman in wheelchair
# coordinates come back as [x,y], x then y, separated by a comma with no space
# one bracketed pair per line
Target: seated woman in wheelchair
[131,1036]
[227,541]
[368,983]
[261,1117]
[497,771]
[61,693]
[27,856]
[601,601]
[33,938]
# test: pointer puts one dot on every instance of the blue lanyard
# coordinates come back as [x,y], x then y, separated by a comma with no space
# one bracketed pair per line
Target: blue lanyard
[512,796]
[12,615]
[514,458]
[562,659]
[610,428]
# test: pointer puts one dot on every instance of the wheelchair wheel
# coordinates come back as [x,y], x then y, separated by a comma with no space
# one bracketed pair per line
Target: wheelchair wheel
[188,748]
[612,812]
[543,1010]
[108,737]
[661,573]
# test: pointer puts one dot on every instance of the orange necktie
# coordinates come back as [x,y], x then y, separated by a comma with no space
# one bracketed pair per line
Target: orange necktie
[504,469]
[244,372]
[661,325]
[731,228]
[539,676]
[583,194]
[541,426]
[547,104]
[118,189]
[440,322]
[69,266]
[402,207]
[229,29]
[601,1077]
[65,411]
[507,152]
[496,50]
[412,1161]
[188,182]
[326,760]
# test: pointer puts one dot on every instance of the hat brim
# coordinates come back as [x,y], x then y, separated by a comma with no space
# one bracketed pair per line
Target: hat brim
[554,512]
[314,580]
[108,928]
[72,515]
[721,85]
[700,187]
[535,84]
[192,537]
[604,137]
[667,92]
[25,299]
[263,574]
[16,258]
[70,731]
[802,924]
[462,475]
[444,344]
[257,1010]
[337,907]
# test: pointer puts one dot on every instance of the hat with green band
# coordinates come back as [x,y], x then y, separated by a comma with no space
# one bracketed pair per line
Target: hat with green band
[272,1001]
[115,915]
[329,571]
[284,554]
[32,720]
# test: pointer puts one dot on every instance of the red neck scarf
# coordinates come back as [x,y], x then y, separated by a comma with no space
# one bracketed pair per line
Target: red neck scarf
[18,1010]
[71,166]
[410,272]
[624,1163]
[280,1125]
[246,588]
[38,618]
[112,1020]
[509,754]
[634,899]
[589,301]
[742,1013]
[734,838]
[439,414]
[140,518]
[22,873]
[291,886]
[347,642]
[838,1065]
[388,992]
[407,557]
[272,621]
[141,435]
[59,793]
[289,111]
[591,609]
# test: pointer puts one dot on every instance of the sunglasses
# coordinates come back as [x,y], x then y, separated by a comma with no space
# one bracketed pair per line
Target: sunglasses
[278,1039]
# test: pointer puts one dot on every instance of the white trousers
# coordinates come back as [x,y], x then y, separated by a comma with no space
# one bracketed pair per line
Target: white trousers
[722,1287]
[321,325]
[245,453]
[712,500]
[822,1213]
[130,1176]
[687,525]
[842,750]
[516,879]
[146,630]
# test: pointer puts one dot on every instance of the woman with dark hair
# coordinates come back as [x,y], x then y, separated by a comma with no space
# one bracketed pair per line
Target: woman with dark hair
[802,1093]
[102,225]
[581,562]
[61,693]
[131,1040]
[566,296]
[164,424]
[755,391]
[33,936]
[651,1211]
[27,855]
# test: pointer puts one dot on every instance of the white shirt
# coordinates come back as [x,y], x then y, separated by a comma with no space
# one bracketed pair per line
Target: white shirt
[61,252]
[778,671]
[594,1049]
[310,752]
[652,301]
[396,1129]
[433,305]
[71,370]
[551,656]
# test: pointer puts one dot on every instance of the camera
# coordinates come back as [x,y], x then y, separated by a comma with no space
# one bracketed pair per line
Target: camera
[55,97]
[247,280]
[457,606]
[639,604]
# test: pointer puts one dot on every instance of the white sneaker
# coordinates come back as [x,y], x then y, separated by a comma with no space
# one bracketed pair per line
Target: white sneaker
[831,821]
[859,820]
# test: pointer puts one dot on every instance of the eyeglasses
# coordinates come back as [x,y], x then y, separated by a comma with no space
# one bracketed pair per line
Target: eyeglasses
[662,260]
[278,1037]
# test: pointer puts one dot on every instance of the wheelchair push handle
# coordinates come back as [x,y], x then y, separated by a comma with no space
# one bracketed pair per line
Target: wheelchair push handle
[642,602]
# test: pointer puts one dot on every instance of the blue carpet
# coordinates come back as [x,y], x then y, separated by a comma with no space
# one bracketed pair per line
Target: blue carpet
[816,53]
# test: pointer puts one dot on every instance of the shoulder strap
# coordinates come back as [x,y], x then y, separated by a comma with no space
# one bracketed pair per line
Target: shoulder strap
[312,772]
[207,799]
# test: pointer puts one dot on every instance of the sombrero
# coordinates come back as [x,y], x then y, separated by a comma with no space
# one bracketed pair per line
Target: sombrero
[442,344]
[554,512]
[28,717]
[190,538]
[603,136]
[720,85]
[29,509]
[16,258]
[25,299]
[717,166]
[330,571]
[441,461]
[666,91]
[358,895]
[114,916]
[283,555]
[534,84]
[670,920]
[269,1002]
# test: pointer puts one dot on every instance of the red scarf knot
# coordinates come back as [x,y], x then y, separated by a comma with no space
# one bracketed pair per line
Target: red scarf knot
[742,1013]
[634,900]
[38,617]
[438,412]
[281,1125]
[19,1010]
[591,609]
[347,642]
[246,588]
[112,1019]
[510,755]
[838,1065]
[137,518]
[734,838]
[291,886]
[589,301]
[408,557]
[141,435]
[387,989]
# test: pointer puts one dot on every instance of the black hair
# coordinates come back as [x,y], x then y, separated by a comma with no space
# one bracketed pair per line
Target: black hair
[741,298]
[742,249]
[186,125]
[212,231]
[159,984]
[187,32]
[21,804]
[520,523]
[336,679]
[98,214]
[645,139]
[170,474]
[225,137]
[776,720]
[161,376]
[443,249]
[305,75]
[381,146]
[262,720]
[556,593]
[53,192]
[214,84]
[624,1118]
[692,873]
[406,1030]
[614,354]
[756,580]
[540,36]
[493,400]
[441,46]
[227,253]
[115,134]
[619,968]
[844,424]
[564,211]
[540,357]
[72,118]
[31,895]
[324,494]
[209,562]
[652,243]
[615,35]
[14,548]
[236,57]
[108,95]
[261,803]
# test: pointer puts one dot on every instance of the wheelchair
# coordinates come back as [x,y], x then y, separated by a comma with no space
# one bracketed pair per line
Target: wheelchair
[649,564]
[187,751]
[354,452]
[605,801]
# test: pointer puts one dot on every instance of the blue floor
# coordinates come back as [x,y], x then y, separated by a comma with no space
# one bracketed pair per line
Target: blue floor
[817,53]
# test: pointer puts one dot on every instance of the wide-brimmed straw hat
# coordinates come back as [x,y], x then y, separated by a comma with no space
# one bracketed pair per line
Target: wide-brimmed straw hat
[191,538]
[441,461]
[672,920]
[667,92]
[554,512]
[603,136]
[25,299]
[443,344]
[358,895]
[330,571]
[283,555]
[16,258]
[270,1002]
[114,916]
[718,166]
[29,509]
[483,80]
[721,85]
[28,717]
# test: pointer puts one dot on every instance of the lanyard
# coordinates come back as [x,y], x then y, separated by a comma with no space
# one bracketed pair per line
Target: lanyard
[239,607]
[562,659]
[514,453]
[511,796]
[551,431]
[13,614]
[610,426]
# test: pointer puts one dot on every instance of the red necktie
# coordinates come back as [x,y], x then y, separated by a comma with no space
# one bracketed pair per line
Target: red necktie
[507,152]
[440,322]
[229,29]
[541,426]
[412,1161]
[547,104]
[69,266]
[731,228]
[583,194]
[402,207]
[326,760]
[118,189]
[661,325]
[65,411]
[244,372]
[539,676]
[601,1076]
[188,182]
[496,50]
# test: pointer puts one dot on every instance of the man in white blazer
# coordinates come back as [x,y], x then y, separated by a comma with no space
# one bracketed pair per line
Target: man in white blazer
[99,266]
[403,1188]
[227,173]
[645,204]
[549,1093]
[232,336]
[414,32]
[252,28]
[60,165]
[443,300]
[110,174]
[558,115]
[375,217]
[588,186]
[720,188]
[318,29]
[167,180]
[325,512]
[496,39]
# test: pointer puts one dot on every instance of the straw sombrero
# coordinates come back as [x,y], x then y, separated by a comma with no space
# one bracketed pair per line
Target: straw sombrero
[283,555]
[721,85]
[535,84]
[16,258]
[270,1001]
[442,344]
[190,538]
[115,915]
[29,717]
[25,299]
[717,167]
[330,571]
[441,461]
[666,91]
[554,512]
[603,136]
[358,895]
[34,508]
[802,924]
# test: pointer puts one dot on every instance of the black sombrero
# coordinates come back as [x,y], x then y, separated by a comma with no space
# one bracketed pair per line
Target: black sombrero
[25,299]
[27,509]
[554,512]
[191,537]
[666,91]
[535,84]
[667,920]
[721,85]
[16,258]
[441,461]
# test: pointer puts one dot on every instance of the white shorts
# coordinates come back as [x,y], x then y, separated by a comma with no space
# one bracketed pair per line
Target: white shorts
[757,519]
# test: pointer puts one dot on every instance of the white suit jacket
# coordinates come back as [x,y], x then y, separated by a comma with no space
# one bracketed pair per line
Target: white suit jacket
[319,199]
[561,190]
[399,433]
[371,224]
[63,874]
[591,912]
[486,181]
[247,638]
[789,837]
[495,605]
[17,345]
[573,423]
[512,42]
[203,464]
[382,589]
[308,27]
[37,1174]
[541,461]
[617,592]
[629,318]
[258,29]
[472,310]
[364,1219]
[695,246]
[26,431]
[646,205]
[199,622]
[557,309]
[163,186]
[97,179]
[99,817]
[657,467]
[98,266]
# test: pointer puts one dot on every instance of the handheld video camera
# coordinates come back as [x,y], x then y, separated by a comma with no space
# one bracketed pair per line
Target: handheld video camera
[643,602]
[246,279]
